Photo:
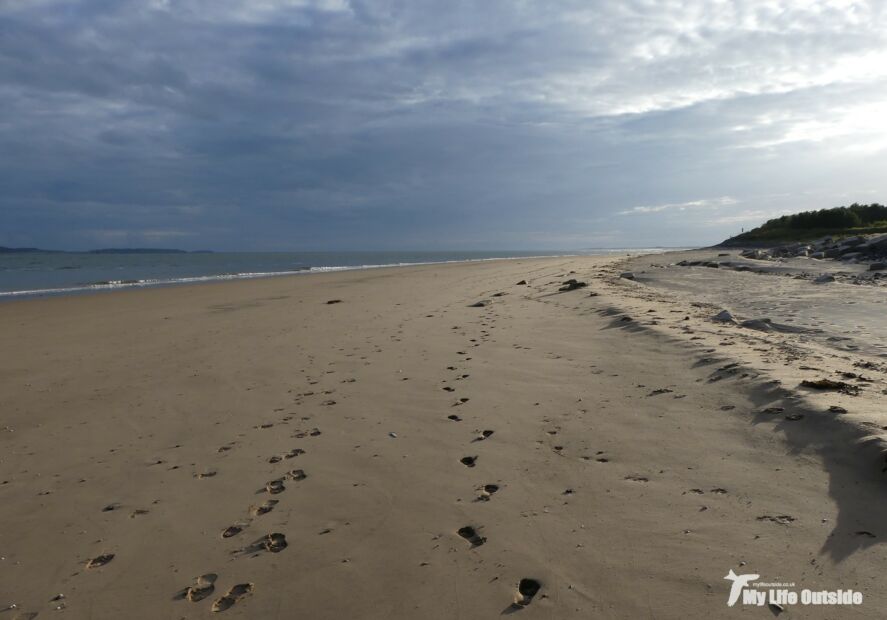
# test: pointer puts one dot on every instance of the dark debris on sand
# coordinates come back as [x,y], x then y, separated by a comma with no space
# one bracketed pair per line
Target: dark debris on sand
[829,384]
[571,285]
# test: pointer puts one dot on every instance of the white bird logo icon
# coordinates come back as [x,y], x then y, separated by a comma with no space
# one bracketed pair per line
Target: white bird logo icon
[739,582]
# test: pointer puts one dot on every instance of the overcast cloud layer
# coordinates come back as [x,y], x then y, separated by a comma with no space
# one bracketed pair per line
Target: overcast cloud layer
[337,124]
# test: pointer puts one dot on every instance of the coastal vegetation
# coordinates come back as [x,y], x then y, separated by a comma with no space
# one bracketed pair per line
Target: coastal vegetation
[857,219]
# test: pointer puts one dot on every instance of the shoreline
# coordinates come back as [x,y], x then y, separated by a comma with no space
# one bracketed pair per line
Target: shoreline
[110,287]
[124,284]
[632,461]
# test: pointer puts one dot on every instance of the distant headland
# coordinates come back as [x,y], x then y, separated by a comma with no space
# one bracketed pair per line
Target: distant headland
[7,250]
[857,219]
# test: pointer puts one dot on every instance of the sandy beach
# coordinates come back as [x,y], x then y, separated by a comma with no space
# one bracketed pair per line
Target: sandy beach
[251,450]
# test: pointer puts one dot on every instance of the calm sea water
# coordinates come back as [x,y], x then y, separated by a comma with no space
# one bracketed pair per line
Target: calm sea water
[39,273]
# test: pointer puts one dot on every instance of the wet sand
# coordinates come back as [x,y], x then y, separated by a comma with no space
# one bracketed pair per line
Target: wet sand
[403,454]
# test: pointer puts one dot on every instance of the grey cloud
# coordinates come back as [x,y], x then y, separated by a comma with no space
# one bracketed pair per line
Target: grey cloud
[273,124]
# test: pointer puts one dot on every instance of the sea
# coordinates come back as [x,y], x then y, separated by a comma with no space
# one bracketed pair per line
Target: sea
[30,274]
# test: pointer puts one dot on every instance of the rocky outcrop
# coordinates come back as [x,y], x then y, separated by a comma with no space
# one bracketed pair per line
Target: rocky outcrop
[859,249]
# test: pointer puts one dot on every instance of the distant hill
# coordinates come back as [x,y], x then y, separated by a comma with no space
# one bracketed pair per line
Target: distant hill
[6,250]
[856,219]
[136,251]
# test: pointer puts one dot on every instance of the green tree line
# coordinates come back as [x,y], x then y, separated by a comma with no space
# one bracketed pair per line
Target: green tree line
[854,216]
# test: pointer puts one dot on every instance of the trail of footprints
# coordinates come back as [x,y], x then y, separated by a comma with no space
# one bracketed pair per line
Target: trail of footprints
[527,588]
[275,542]
[204,586]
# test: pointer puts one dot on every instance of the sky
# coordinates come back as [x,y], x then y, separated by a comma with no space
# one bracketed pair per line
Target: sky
[451,125]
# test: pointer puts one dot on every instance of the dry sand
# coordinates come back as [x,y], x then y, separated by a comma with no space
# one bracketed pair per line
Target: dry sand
[633,462]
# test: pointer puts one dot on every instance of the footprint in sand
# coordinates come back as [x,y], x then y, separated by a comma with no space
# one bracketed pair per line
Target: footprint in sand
[203,586]
[486,492]
[526,590]
[470,534]
[100,560]
[637,478]
[448,389]
[232,530]
[234,594]
[483,435]
[274,542]
[297,475]
[454,418]
[468,461]
[275,486]
[263,508]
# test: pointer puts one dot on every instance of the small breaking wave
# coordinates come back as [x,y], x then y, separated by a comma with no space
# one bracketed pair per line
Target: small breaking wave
[113,285]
